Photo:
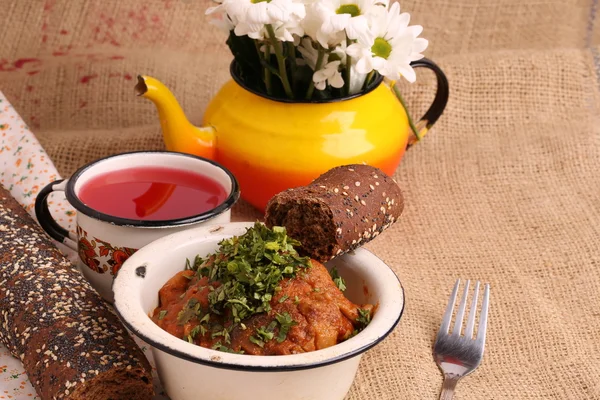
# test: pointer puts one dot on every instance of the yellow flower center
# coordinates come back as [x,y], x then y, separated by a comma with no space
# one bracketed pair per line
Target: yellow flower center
[351,9]
[381,48]
[259,1]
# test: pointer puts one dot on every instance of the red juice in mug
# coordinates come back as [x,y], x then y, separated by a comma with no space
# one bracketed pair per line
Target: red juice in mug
[152,193]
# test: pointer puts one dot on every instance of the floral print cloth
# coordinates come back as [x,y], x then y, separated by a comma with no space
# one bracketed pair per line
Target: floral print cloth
[25,167]
[24,170]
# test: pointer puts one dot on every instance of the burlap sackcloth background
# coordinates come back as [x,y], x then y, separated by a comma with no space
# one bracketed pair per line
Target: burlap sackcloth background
[505,188]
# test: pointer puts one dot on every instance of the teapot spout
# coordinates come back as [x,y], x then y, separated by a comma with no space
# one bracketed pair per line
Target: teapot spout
[178,133]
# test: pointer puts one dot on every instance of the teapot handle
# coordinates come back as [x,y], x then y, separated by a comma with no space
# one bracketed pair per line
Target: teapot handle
[439,102]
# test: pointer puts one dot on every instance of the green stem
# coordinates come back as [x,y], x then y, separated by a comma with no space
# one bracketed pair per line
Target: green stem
[267,72]
[311,86]
[281,62]
[293,67]
[410,121]
[368,79]
[347,70]
[268,75]
[347,75]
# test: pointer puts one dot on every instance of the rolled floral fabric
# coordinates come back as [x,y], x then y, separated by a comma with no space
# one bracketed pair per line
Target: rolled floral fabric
[25,168]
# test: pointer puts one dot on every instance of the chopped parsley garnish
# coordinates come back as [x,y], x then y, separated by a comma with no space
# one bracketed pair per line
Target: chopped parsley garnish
[206,318]
[364,317]
[257,342]
[249,269]
[285,323]
[337,279]
[190,310]
[240,280]
[195,330]
[219,330]
[266,333]
[220,347]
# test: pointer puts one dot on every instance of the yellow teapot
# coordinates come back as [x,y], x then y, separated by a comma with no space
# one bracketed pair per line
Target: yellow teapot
[272,144]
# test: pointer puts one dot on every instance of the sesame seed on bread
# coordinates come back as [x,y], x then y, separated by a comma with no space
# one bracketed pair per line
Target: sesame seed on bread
[339,211]
[71,344]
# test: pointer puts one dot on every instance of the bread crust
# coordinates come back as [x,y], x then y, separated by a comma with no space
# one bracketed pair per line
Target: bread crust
[339,211]
[71,344]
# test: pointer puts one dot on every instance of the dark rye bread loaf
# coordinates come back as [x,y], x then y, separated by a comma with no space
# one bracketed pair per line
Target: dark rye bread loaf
[339,211]
[71,345]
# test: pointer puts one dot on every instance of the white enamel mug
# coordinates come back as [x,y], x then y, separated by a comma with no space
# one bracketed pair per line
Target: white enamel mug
[103,241]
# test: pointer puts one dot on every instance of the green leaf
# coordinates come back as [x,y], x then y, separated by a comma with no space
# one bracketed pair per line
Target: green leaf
[265,334]
[337,279]
[246,271]
[285,323]
[204,319]
[257,342]
[364,317]
[188,311]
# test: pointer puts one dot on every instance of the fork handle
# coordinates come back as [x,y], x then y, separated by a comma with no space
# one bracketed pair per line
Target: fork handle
[448,387]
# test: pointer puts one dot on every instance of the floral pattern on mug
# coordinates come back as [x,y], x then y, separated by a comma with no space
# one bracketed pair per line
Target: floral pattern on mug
[99,255]
[117,255]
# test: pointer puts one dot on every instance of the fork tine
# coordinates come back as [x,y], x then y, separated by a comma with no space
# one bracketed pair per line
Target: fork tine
[460,316]
[471,320]
[484,315]
[448,314]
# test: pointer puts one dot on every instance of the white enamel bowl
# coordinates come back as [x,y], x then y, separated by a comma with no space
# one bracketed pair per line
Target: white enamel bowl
[190,372]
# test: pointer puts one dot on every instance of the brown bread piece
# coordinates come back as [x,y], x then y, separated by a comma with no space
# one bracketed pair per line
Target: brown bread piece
[71,344]
[339,211]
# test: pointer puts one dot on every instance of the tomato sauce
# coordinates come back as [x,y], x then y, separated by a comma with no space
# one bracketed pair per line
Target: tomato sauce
[308,313]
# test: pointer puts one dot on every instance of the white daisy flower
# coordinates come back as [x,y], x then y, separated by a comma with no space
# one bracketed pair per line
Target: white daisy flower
[340,51]
[394,45]
[348,15]
[290,31]
[251,17]
[329,21]
[309,53]
[254,31]
[220,19]
[329,74]
[316,15]
[286,11]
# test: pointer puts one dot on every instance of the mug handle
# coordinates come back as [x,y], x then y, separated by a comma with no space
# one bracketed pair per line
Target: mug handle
[439,102]
[48,224]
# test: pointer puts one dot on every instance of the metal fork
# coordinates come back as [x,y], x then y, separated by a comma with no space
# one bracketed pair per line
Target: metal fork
[458,355]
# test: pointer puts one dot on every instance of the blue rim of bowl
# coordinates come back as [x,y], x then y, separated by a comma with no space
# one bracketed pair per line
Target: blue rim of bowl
[254,368]
[80,206]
